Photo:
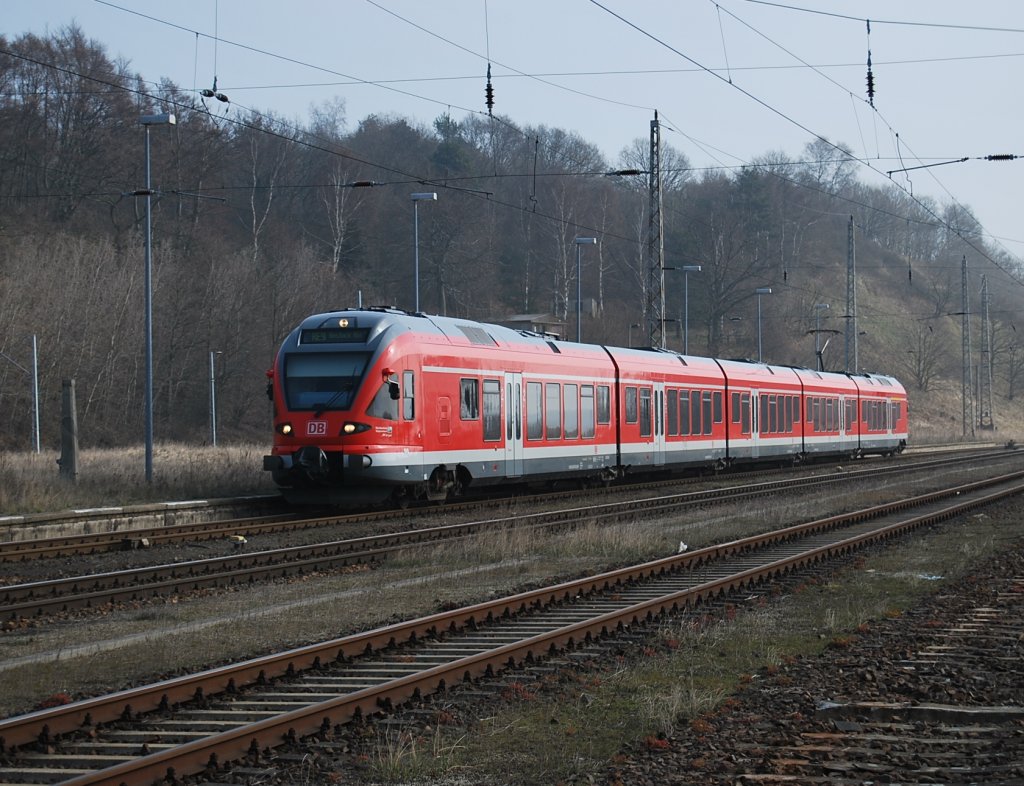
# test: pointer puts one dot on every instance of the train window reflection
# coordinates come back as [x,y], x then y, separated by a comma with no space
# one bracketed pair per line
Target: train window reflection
[383,406]
[323,380]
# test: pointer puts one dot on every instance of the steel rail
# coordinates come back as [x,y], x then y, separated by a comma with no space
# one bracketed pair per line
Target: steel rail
[33,599]
[200,754]
[89,543]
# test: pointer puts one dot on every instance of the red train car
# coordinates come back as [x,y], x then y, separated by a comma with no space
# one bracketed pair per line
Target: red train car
[374,405]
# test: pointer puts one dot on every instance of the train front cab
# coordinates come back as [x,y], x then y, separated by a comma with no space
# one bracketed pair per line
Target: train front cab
[344,395]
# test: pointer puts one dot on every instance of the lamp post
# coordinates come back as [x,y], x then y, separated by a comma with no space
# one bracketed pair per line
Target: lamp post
[817,335]
[580,242]
[146,121]
[416,199]
[213,397]
[760,291]
[687,269]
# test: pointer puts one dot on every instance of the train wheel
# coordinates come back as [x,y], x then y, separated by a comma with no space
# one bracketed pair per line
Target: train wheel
[440,484]
[402,498]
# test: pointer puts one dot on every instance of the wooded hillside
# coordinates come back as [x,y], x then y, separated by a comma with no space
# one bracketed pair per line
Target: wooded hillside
[260,222]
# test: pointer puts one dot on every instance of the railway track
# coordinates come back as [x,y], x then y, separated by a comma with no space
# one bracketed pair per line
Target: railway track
[34,599]
[101,539]
[203,723]
[931,697]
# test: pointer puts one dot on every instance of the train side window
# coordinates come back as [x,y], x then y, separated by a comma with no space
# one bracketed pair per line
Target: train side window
[735,405]
[383,406]
[773,420]
[673,412]
[552,410]
[408,395]
[469,400]
[716,399]
[706,410]
[848,420]
[762,423]
[787,413]
[810,413]
[745,413]
[604,404]
[695,412]
[572,419]
[645,412]
[796,409]
[631,416]
[492,410]
[587,411]
[534,411]
[684,413]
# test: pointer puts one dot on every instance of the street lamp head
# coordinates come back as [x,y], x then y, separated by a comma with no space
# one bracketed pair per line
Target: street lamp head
[691,268]
[165,119]
[821,305]
[763,291]
[429,195]
[585,241]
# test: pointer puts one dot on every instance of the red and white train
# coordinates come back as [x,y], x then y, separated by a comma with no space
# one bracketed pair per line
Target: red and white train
[372,405]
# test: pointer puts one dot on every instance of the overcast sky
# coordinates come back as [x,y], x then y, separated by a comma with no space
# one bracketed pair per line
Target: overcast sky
[731,80]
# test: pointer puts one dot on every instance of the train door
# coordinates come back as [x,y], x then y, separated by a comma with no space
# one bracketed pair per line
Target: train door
[755,424]
[513,424]
[658,437]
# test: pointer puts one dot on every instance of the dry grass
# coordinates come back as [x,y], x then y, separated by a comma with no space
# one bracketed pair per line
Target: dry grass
[31,483]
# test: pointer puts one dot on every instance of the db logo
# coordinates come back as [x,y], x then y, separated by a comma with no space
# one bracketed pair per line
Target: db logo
[316,428]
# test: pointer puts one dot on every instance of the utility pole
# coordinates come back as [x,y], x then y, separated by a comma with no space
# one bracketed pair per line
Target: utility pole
[966,387]
[655,244]
[985,420]
[851,303]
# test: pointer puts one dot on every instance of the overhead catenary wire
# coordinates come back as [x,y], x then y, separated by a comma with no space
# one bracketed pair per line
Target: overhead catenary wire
[370,163]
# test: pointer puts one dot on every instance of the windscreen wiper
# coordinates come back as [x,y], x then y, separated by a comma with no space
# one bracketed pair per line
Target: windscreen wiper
[327,404]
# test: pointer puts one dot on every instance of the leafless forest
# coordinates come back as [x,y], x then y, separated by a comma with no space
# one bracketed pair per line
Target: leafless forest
[260,221]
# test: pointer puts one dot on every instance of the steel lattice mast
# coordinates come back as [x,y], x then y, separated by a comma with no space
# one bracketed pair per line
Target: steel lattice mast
[655,244]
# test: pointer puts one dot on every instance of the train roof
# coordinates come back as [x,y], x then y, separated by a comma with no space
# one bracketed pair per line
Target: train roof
[451,330]
[378,321]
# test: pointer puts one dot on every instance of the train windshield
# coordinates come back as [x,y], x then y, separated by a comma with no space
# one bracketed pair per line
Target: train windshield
[323,380]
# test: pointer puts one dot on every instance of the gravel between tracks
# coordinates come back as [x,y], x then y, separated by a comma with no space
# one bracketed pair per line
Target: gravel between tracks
[788,707]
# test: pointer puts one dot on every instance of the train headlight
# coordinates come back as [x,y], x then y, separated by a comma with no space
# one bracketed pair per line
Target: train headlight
[285,429]
[354,428]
